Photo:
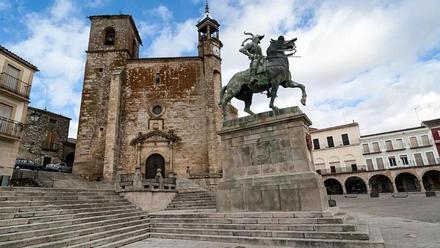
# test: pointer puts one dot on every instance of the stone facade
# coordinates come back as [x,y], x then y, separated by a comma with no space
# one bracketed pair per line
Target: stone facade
[268,165]
[44,141]
[135,110]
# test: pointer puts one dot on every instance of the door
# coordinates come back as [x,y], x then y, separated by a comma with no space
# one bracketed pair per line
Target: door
[154,162]
[46,160]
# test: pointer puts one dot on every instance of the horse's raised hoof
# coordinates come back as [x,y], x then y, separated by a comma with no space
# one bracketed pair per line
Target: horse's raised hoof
[303,100]
[276,110]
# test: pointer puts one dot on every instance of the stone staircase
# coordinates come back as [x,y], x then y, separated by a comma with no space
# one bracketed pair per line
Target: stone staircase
[192,200]
[288,229]
[54,217]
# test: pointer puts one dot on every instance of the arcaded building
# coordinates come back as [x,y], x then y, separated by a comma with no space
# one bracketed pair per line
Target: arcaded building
[155,113]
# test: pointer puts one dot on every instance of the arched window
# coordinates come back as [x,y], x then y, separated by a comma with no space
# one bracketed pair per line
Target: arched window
[110,36]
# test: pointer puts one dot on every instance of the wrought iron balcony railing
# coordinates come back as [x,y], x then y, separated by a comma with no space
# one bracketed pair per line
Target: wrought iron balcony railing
[14,85]
[10,127]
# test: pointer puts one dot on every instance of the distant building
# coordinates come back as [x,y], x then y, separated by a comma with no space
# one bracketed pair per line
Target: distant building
[45,140]
[336,149]
[395,161]
[16,76]
[434,125]
[399,148]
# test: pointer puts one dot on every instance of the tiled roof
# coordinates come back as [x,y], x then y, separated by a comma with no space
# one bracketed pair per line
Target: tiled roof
[15,56]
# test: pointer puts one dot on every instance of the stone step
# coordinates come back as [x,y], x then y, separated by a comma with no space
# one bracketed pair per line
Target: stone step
[120,243]
[250,220]
[191,208]
[35,226]
[62,202]
[271,227]
[42,219]
[49,193]
[50,236]
[269,241]
[116,240]
[194,199]
[62,206]
[266,233]
[66,229]
[96,239]
[62,211]
[298,214]
[186,204]
[59,198]
[65,190]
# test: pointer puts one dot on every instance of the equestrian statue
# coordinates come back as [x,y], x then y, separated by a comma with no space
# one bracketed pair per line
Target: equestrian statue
[265,73]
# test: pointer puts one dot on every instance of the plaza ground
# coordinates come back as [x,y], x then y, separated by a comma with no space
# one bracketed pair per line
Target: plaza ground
[412,222]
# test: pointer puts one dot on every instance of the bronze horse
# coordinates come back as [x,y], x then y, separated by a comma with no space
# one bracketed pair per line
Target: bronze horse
[275,73]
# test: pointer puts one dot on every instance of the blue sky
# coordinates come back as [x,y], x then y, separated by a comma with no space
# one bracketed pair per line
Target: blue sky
[370,61]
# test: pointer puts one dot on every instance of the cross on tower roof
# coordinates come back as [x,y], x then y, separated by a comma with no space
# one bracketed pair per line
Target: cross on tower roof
[206,8]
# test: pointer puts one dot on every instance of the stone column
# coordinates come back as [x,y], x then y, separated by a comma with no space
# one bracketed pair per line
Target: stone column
[171,173]
[344,190]
[112,131]
[395,186]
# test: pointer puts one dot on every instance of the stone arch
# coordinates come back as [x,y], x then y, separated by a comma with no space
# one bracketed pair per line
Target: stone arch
[154,162]
[407,182]
[333,186]
[380,183]
[355,185]
[431,180]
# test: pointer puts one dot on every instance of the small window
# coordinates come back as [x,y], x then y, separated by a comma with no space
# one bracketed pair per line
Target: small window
[110,36]
[318,171]
[431,158]
[366,148]
[330,141]
[404,159]
[419,159]
[425,140]
[52,121]
[354,167]
[399,144]
[376,147]
[316,144]
[333,169]
[379,162]
[392,161]
[370,166]
[157,109]
[345,140]
[157,79]
[413,142]
[389,145]
[5,111]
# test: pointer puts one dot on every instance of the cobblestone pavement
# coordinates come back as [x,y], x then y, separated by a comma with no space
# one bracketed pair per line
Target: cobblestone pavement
[412,222]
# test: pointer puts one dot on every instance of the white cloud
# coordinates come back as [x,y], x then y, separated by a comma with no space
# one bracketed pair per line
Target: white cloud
[4,5]
[360,60]
[56,43]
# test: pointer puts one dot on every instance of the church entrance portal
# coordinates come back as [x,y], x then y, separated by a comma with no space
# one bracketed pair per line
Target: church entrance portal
[154,162]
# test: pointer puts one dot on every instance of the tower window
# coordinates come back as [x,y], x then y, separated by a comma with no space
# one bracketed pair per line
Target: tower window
[110,36]
[157,79]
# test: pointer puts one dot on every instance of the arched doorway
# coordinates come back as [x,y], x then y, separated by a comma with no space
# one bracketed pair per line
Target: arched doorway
[333,187]
[154,162]
[407,182]
[431,180]
[381,184]
[355,185]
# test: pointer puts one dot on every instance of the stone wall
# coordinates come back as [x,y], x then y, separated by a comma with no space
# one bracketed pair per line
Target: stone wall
[34,145]
[102,60]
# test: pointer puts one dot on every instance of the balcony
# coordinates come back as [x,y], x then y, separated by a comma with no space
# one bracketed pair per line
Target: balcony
[14,85]
[10,128]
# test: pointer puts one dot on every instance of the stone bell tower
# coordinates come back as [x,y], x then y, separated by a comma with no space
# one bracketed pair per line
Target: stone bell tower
[113,40]
[209,47]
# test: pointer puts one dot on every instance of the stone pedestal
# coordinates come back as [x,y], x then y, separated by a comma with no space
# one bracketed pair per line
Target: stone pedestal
[267,164]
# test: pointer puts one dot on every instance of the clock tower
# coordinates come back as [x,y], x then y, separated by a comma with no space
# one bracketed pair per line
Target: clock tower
[209,42]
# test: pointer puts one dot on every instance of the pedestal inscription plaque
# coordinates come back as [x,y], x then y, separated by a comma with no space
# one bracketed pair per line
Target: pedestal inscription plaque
[267,164]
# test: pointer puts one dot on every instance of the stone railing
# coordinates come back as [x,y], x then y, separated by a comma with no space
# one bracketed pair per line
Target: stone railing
[129,182]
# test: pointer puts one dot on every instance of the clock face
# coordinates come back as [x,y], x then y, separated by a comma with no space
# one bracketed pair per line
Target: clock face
[216,50]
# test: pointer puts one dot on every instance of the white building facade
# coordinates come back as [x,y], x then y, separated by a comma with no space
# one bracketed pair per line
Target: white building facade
[16,76]
[336,149]
[399,148]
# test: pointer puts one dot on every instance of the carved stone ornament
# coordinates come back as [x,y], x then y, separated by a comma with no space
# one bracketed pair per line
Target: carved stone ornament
[155,136]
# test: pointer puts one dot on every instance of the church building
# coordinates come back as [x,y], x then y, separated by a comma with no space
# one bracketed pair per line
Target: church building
[155,113]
